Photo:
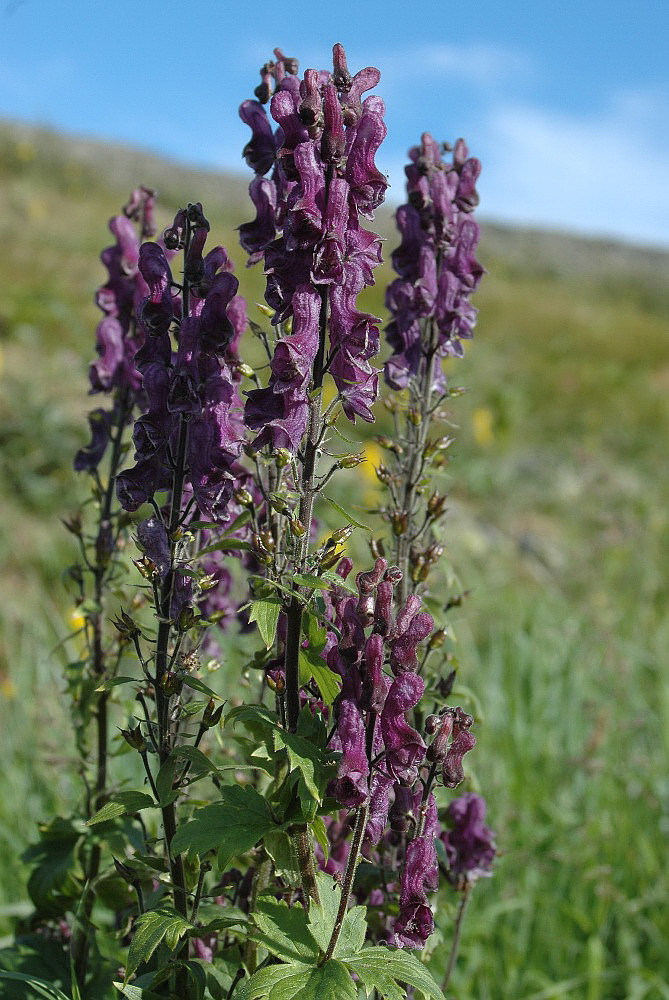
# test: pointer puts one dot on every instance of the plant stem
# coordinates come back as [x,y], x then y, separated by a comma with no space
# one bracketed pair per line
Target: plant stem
[413,467]
[456,938]
[347,886]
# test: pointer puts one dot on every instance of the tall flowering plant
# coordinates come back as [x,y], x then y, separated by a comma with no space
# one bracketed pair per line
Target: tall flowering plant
[294,840]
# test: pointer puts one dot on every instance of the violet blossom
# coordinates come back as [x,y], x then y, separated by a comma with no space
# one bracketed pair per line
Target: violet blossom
[469,843]
[436,262]
[195,384]
[322,177]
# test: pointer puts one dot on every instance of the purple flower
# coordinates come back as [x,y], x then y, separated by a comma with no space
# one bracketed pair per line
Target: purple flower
[420,875]
[469,843]
[193,390]
[405,749]
[436,262]
[307,230]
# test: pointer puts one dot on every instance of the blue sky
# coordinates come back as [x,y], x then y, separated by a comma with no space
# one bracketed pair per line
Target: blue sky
[566,103]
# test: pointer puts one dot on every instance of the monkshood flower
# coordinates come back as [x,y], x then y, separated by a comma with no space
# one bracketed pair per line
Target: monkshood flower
[371,711]
[322,179]
[469,843]
[195,384]
[118,336]
[420,875]
[436,262]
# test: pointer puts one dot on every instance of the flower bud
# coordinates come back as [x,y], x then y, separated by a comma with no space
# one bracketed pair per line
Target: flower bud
[400,522]
[245,369]
[437,639]
[329,559]
[243,497]
[282,457]
[297,528]
[134,738]
[351,461]
[436,505]
[212,715]
[171,683]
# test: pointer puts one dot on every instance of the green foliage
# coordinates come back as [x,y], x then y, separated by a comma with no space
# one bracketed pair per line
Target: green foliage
[151,928]
[558,525]
[384,970]
[230,827]
[38,986]
[331,981]
[265,613]
[122,804]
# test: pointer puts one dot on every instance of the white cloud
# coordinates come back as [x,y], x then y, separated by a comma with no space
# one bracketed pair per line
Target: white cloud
[604,174]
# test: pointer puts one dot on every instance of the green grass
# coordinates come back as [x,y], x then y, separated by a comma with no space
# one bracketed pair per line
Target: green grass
[558,526]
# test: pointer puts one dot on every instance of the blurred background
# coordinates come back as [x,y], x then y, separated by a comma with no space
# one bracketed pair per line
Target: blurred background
[559,481]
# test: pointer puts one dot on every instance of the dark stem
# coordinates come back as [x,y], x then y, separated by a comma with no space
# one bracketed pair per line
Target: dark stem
[456,938]
[80,941]
[412,471]
[347,885]
[294,613]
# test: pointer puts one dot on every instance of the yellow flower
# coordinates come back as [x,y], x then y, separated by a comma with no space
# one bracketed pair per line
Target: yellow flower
[482,422]
[77,620]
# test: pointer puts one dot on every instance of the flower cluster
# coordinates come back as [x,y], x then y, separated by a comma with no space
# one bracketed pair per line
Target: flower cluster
[436,262]
[192,401]
[322,178]
[469,843]
[117,336]
[383,756]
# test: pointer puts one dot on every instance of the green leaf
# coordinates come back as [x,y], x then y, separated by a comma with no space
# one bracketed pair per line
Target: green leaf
[309,580]
[352,935]
[320,832]
[232,826]
[122,804]
[197,685]
[40,986]
[151,928]
[135,993]
[381,969]
[281,850]
[282,929]
[337,581]
[330,981]
[265,613]
[322,915]
[345,514]
[199,762]
[164,782]
[113,682]
[313,665]
[311,765]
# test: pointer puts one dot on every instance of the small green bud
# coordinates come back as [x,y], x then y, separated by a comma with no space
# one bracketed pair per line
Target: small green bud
[297,528]
[134,738]
[351,461]
[245,369]
[437,639]
[282,457]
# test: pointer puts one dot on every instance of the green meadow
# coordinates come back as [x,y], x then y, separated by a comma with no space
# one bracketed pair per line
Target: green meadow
[558,531]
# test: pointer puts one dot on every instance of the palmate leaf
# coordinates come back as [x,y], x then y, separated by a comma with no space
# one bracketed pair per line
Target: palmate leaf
[322,917]
[232,826]
[282,929]
[382,969]
[331,981]
[151,928]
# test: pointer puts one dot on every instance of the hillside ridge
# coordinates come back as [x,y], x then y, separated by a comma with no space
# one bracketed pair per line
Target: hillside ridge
[535,250]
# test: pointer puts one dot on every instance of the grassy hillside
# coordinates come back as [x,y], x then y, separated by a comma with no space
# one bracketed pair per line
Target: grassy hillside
[558,527]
